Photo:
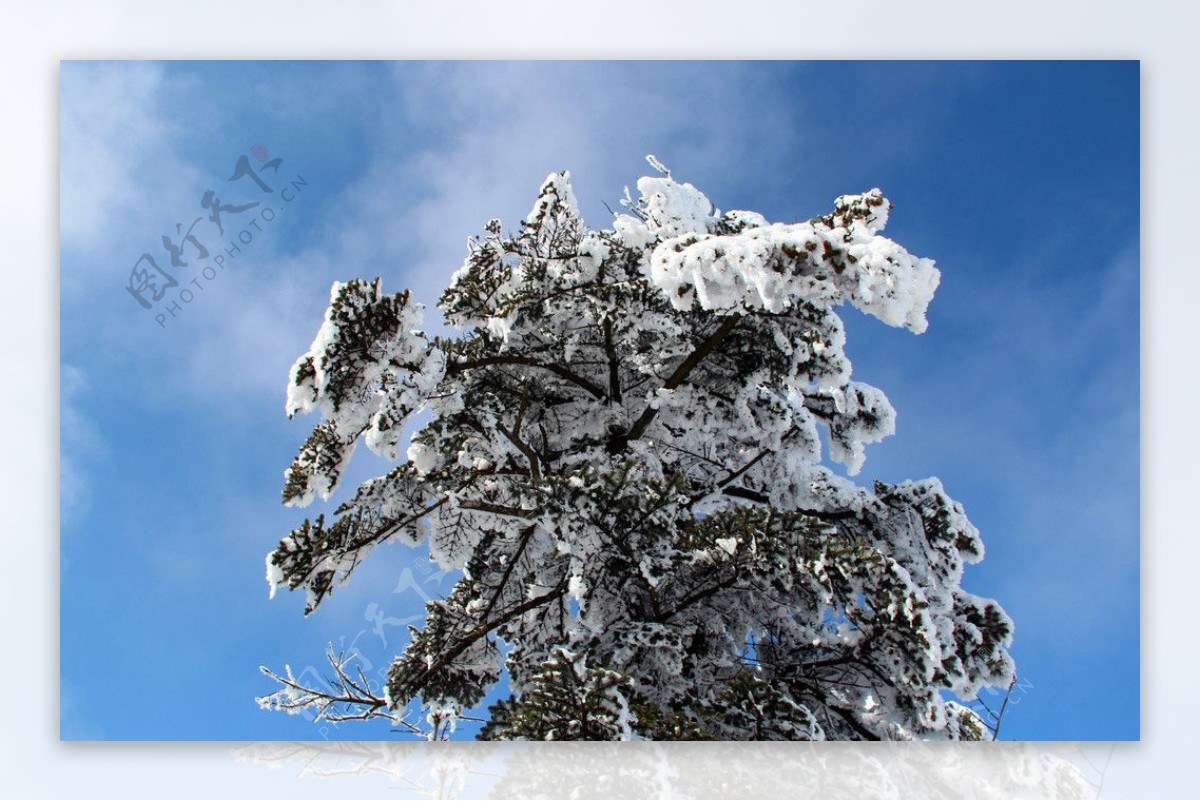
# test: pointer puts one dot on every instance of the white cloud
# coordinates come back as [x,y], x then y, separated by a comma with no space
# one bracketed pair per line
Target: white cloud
[79,444]
[118,168]
[504,127]
[498,130]
[248,330]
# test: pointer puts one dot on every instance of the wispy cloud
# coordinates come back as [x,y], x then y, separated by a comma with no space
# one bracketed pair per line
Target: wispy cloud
[427,181]
[80,444]
[119,169]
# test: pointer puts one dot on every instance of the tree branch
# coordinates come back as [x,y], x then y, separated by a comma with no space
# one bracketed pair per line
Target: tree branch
[619,442]
[496,508]
[844,714]
[557,369]
[820,405]
[610,351]
[758,497]
[699,595]
[535,468]
[344,691]
[734,476]
[1004,706]
[750,495]
[470,637]
[386,530]
[508,569]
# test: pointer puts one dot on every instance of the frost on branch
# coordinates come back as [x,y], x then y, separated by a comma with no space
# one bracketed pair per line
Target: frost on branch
[367,370]
[840,257]
[624,458]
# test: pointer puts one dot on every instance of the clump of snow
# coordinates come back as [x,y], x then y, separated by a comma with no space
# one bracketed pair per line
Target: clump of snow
[369,368]
[774,268]
[274,575]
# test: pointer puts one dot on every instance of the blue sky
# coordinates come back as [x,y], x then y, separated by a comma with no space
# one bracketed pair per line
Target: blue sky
[1021,179]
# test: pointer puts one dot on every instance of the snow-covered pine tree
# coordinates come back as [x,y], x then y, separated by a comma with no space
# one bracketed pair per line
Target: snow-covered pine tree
[623,456]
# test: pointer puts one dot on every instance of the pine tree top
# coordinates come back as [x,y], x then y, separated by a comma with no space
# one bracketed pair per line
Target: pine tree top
[624,457]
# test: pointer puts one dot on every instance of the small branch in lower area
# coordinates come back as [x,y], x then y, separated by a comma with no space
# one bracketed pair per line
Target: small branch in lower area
[343,698]
[1003,706]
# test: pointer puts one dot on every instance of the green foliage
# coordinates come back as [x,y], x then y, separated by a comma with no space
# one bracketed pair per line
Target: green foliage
[567,700]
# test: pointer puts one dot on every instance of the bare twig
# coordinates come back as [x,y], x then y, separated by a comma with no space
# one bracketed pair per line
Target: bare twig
[1004,706]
